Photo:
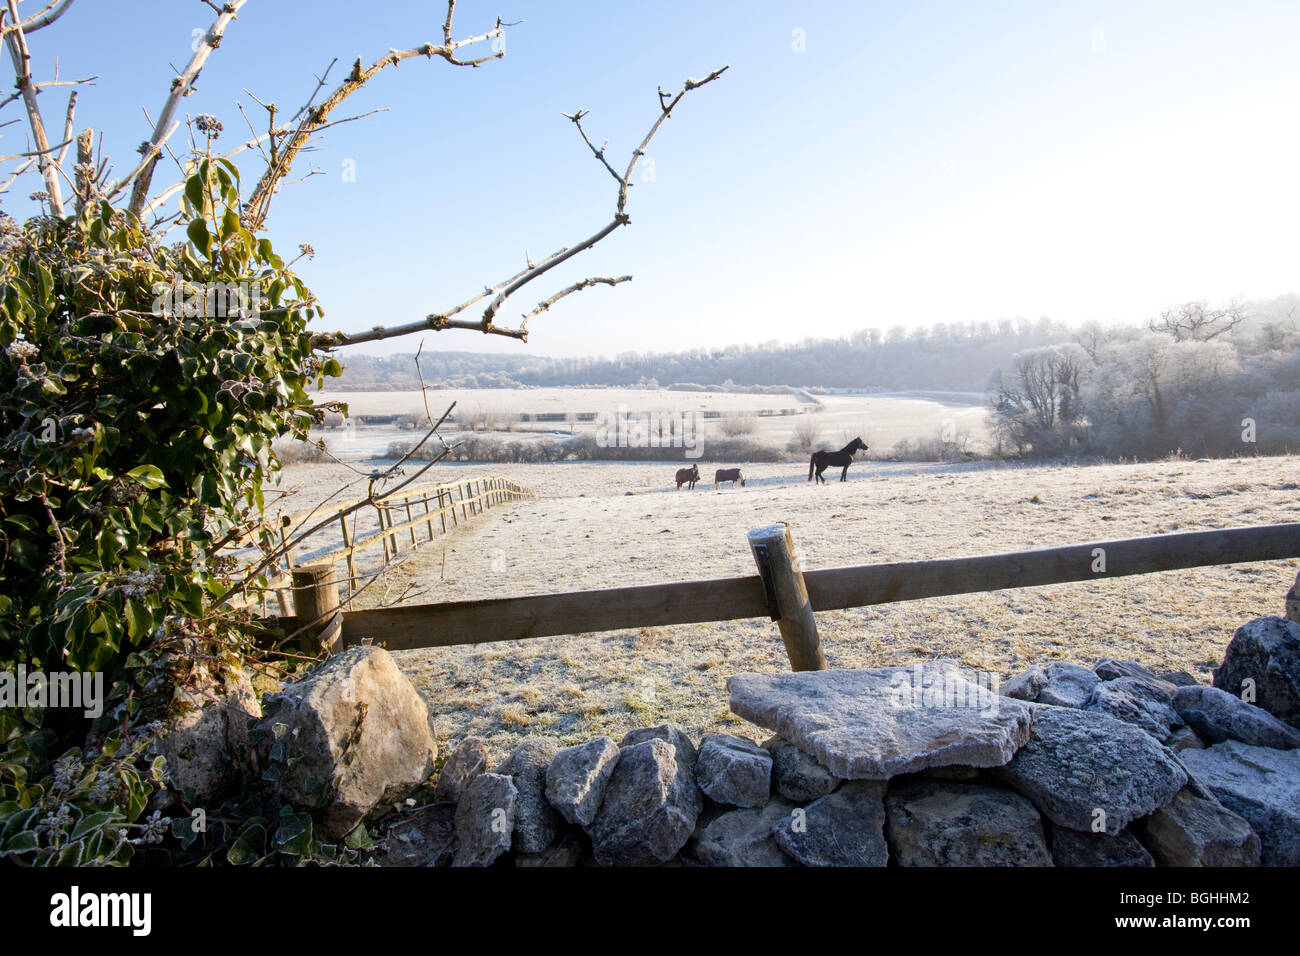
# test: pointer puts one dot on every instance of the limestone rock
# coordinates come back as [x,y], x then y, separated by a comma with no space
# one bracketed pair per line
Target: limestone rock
[1078,762]
[1190,831]
[536,822]
[742,838]
[358,732]
[845,828]
[650,807]
[1027,685]
[1266,651]
[941,823]
[686,753]
[1138,701]
[1217,716]
[796,775]
[1077,848]
[734,770]
[1068,685]
[485,820]
[467,761]
[876,724]
[1260,785]
[577,777]
[208,746]
[1179,678]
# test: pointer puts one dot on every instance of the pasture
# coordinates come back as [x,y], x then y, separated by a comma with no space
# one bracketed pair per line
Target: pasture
[586,531]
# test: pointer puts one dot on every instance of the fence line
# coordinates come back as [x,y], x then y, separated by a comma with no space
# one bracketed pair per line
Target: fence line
[692,602]
[446,505]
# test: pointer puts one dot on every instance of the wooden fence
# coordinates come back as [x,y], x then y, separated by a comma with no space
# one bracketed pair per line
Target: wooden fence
[420,514]
[785,593]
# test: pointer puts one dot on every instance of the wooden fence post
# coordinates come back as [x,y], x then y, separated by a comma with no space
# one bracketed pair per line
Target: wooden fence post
[352,557]
[787,596]
[316,605]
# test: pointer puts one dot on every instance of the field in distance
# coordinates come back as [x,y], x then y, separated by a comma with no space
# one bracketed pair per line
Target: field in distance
[881,419]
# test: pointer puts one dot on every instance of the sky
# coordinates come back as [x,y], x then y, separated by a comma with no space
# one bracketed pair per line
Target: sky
[859,164]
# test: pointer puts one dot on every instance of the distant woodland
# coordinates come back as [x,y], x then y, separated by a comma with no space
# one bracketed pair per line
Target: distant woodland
[1197,379]
[949,357]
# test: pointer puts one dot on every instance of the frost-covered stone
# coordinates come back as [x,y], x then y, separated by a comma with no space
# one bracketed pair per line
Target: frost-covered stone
[845,828]
[1068,685]
[485,820]
[876,724]
[208,745]
[1027,685]
[467,761]
[577,777]
[797,776]
[650,807]
[686,752]
[734,770]
[536,822]
[1138,701]
[1217,716]
[1265,652]
[1261,785]
[742,838]
[1079,766]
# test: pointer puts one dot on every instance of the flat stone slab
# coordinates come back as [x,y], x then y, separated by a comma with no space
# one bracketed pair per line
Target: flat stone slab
[879,723]
[1079,767]
[1260,784]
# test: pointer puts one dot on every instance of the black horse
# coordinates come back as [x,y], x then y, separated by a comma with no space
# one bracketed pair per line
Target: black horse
[821,460]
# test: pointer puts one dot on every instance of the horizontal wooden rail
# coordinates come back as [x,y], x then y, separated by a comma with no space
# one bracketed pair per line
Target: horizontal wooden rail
[694,602]
[476,495]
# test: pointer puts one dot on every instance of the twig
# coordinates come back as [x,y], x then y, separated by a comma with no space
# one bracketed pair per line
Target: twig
[438,321]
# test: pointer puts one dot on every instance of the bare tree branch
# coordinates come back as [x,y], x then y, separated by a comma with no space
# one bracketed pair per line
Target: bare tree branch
[576,287]
[16,40]
[42,19]
[313,119]
[508,287]
[163,129]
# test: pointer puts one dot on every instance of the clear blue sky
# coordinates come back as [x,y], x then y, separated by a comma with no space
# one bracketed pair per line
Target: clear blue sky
[915,162]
